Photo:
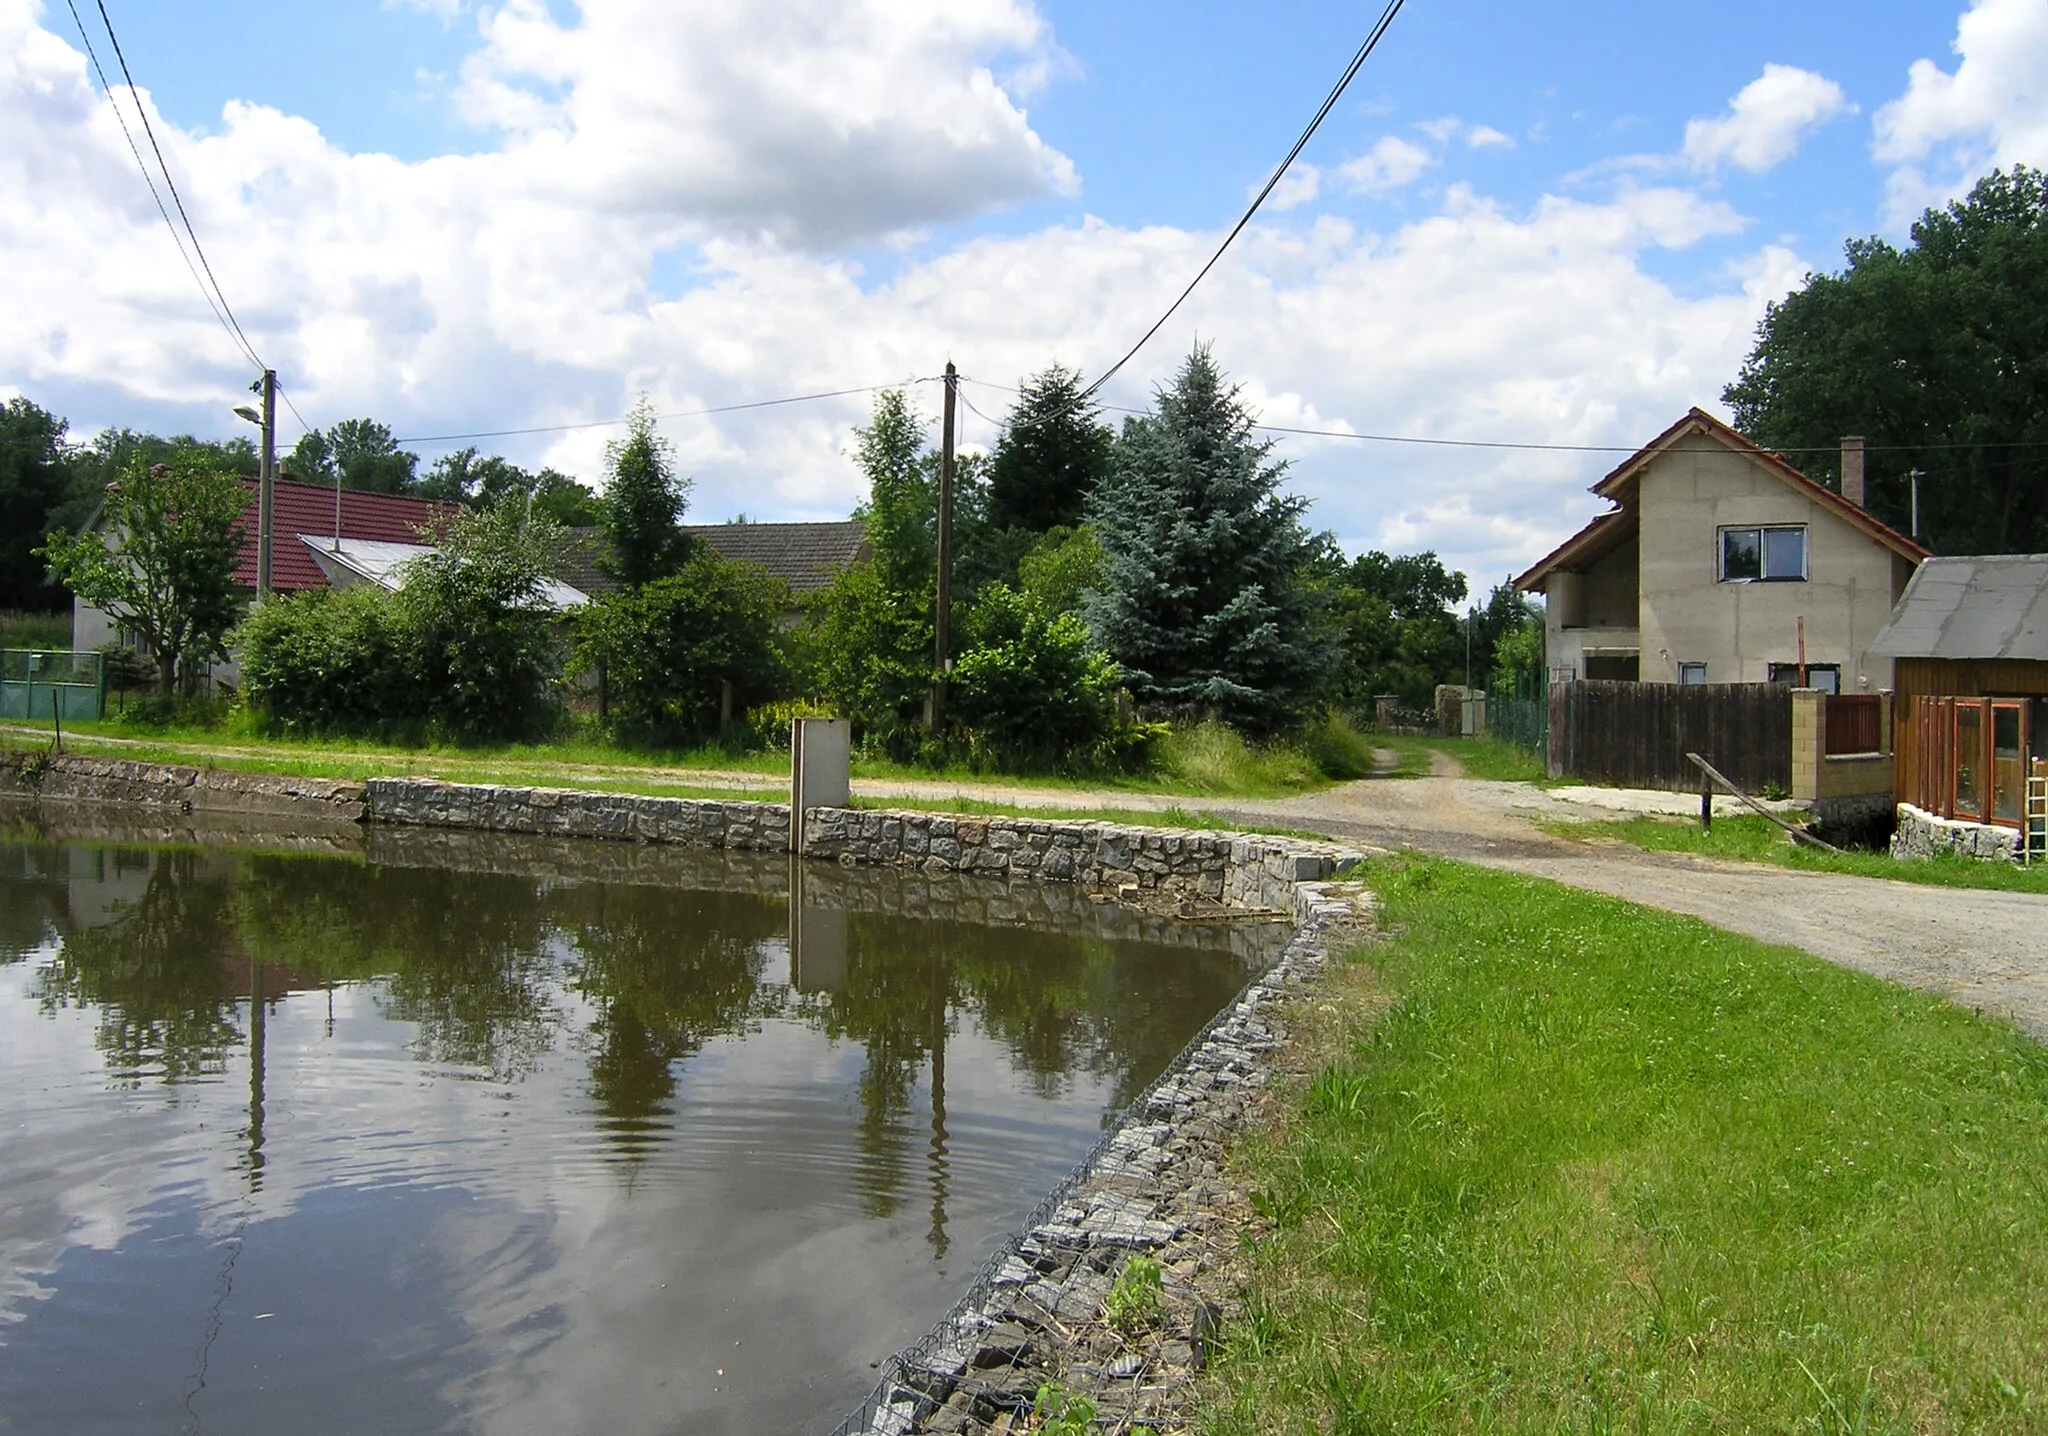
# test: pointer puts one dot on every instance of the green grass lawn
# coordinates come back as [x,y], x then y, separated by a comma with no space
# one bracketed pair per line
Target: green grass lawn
[1758,840]
[1575,1166]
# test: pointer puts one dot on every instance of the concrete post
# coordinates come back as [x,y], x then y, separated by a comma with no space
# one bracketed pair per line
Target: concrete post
[820,770]
[1809,739]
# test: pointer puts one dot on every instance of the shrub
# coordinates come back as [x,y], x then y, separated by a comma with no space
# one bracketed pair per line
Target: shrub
[1031,689]
[328,660]
[667,646]
[873,651]
[479,639]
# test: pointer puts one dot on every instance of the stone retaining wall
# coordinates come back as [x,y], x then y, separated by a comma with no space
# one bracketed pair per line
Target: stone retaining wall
[69,778]
[1921,834]
[1235,870]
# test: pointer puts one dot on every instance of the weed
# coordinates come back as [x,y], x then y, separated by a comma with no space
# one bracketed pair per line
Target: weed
[1133,1300]
[1057,1411]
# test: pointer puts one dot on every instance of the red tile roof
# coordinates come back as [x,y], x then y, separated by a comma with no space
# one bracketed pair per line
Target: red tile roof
[309,509]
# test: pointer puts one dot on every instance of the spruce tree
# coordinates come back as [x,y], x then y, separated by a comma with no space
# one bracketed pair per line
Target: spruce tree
[1202,599]
[643,502]
[1053,452]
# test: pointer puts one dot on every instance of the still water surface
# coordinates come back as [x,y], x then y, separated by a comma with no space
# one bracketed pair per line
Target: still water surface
[497,1135]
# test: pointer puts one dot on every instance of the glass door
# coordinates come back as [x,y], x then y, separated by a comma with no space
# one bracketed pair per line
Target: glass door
[1969,760]
[2008,762]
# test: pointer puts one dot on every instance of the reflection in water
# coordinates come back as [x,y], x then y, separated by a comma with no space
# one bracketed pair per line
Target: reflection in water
[542,1136]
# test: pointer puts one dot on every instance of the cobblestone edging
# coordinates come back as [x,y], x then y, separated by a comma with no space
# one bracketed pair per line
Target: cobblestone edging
[1234,870]
[1153,1188]
[69,778]
[1922,835]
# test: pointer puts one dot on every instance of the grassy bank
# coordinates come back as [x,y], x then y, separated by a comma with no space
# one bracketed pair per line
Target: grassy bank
[1597,1169]
[1757,840]
[1486,758]
[1207,760]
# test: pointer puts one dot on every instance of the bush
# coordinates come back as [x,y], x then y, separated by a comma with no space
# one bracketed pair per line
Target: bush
[873,651]
[667,647]
[1032,690]
[329,660]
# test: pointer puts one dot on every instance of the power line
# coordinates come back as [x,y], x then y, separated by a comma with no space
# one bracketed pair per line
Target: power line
[1545,447]
[169,183]
[1372,41]
[680,414]
[143,165]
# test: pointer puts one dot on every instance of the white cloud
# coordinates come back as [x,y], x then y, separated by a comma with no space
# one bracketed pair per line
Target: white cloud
[1388,165]
[1991,111]
[1486,137]
[501,290]
[1766,120]
[1302,183]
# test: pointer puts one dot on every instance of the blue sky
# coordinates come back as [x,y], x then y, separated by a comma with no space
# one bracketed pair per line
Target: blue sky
[1553,224]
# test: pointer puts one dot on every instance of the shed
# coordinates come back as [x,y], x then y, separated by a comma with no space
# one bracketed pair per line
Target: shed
[1969,641]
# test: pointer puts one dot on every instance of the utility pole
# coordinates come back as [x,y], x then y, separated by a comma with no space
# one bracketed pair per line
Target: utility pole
[940,623]
[266,486]
[1914,479]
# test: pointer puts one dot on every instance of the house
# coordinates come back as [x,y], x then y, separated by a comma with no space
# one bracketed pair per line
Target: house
[1721,563]
[351,561]
[307,522]
[1969,640]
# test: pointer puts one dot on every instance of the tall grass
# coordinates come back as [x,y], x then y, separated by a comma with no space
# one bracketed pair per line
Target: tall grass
[1213,758]
[34,630]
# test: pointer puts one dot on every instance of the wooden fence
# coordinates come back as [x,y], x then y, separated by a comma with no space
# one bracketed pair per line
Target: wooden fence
[1855,724]
[1636,735]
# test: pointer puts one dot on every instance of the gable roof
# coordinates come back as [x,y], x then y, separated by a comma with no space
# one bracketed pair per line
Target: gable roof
[1618,487]
[1986,607]
[307,511]
[805,556]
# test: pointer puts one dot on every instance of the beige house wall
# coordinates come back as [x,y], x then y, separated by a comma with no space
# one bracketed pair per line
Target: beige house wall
[1687,496]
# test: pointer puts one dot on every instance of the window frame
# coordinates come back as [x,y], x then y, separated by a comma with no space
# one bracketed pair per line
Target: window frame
[1760,533]
[1790,674]
[1685,669]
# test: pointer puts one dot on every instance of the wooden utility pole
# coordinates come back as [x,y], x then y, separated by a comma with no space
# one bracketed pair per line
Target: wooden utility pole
[940,624]
[266,485]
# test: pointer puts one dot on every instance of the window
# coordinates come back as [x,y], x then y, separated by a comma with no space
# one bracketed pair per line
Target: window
[1692,673]
[1827,677]
[1767,555]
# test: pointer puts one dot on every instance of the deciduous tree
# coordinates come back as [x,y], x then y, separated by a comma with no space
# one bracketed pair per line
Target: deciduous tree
[644,501]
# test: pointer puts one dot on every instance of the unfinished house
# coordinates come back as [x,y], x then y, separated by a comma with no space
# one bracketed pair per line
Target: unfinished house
[1722,563]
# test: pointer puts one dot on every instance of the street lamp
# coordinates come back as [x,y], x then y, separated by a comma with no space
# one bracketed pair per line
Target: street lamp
[266,477]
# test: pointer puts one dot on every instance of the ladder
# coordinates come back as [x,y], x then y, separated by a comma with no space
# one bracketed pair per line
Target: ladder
[2034,841]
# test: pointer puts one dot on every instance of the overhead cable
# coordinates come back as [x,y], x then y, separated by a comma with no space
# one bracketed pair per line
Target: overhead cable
[169,183]
[680,414]
[1329,103]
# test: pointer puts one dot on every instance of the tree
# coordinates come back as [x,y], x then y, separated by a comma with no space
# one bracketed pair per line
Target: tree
[1053,452]
[478,636]
[34,483]
[668,646]
[1506,611]
[1203,601]
[161,561]
[644,501]
[902,507]
[311,460]
[1935,355]
[559,499]
[1392,620]
[1030,687]
[369,458]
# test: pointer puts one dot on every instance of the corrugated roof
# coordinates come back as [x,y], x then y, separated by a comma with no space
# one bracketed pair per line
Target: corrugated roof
[1988,606]
[383,564]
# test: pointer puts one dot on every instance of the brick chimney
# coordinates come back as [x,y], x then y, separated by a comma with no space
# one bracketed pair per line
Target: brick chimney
[1852,469]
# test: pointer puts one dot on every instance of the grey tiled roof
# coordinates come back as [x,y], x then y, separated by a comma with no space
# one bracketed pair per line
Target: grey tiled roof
[803,555]
[1992,606]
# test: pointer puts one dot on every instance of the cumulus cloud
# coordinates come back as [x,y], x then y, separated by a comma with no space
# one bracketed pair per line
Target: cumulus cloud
[1486,137]
[1991,110]
[1388,165]
[1301,184]
[504,289]
[1766,121]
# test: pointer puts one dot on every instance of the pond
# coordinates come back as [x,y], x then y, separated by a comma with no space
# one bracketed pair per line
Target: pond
[450,1132]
